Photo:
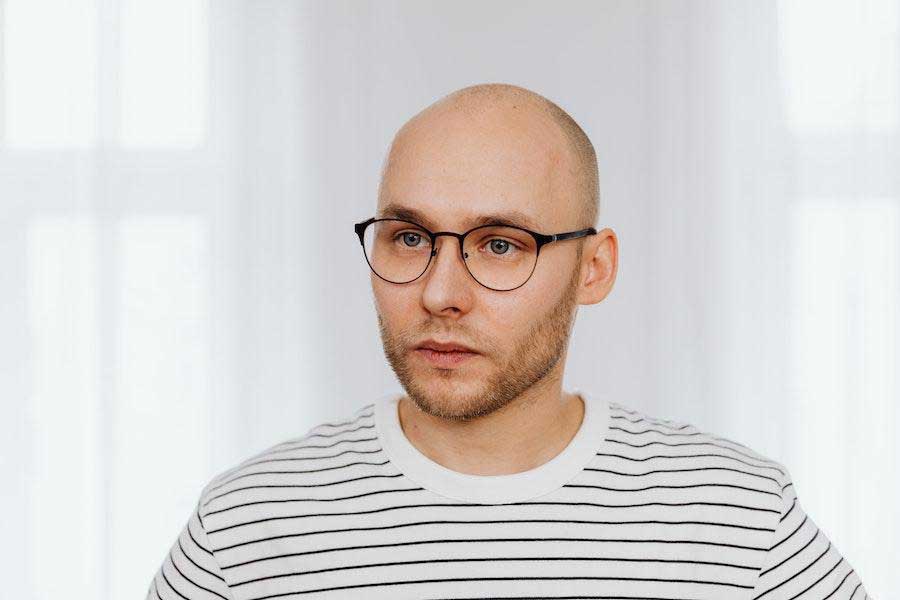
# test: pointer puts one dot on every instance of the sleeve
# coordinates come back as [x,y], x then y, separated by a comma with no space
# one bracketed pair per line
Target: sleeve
[802,563]
[190,570]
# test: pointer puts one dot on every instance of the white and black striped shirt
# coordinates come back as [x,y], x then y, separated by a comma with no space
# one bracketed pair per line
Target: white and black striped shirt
[633,507]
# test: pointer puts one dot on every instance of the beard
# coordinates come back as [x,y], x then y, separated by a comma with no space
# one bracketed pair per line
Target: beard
[448,394]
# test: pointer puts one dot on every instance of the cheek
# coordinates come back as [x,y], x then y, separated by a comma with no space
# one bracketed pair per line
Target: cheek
[394,307]
[508,320]
[383,295]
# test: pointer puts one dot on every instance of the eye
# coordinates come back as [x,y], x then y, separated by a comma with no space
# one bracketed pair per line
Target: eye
[409,238]
[501,247]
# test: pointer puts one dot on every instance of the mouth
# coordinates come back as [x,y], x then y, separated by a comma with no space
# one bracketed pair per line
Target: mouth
[433,344]
[444,359]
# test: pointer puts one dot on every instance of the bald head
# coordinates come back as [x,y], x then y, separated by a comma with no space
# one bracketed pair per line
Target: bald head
[571,153]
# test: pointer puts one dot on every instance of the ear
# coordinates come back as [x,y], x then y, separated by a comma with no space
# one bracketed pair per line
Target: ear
[599,264]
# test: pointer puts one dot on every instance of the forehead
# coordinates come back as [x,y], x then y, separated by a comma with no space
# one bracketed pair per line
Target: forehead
[457,172]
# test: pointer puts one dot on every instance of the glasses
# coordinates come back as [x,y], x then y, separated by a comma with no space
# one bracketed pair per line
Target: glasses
[499,257]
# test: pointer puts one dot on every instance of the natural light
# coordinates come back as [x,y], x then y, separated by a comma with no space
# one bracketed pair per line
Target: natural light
[59,73]
[845,282]
[840,63]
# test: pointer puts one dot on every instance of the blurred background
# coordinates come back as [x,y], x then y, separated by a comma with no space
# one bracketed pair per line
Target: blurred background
[180,285]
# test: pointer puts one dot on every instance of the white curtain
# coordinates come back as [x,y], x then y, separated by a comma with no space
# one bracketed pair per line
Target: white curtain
[180,285]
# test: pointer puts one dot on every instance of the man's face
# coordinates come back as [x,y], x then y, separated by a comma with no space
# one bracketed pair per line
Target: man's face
[453,167]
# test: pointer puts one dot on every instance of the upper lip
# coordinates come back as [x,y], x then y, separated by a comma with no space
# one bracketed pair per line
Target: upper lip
[445,346]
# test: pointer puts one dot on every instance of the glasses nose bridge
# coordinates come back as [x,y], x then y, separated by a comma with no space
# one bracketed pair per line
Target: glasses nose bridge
[459,237]
[434,249]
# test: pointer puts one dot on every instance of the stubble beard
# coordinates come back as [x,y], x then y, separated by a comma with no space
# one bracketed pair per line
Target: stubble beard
[443,395]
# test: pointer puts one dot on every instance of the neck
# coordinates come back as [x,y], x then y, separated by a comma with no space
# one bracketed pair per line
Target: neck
[523,435]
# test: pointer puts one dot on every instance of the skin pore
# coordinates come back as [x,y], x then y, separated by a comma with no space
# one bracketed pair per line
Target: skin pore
[485,149]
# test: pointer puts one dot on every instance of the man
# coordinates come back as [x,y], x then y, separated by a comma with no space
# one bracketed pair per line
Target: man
[486,479]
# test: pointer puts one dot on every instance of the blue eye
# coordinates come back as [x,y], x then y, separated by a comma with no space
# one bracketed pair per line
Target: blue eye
[409,242]
[503,249]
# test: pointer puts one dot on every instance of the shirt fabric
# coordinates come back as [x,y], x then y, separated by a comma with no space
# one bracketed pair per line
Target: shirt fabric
[633,507]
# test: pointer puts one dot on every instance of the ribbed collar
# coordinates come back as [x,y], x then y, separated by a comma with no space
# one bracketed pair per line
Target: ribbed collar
[492,489]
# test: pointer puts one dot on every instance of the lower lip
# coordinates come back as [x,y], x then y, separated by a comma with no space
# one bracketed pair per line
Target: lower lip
[444,359]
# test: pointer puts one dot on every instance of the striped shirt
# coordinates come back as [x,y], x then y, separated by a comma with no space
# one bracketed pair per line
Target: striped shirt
[633,507]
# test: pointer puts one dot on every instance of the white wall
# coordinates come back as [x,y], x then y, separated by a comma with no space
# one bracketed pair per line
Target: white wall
[180,285]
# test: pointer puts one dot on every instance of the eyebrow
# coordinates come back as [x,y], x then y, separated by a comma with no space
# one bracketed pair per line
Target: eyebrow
[511,217]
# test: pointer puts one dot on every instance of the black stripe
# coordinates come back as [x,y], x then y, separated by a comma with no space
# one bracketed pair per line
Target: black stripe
[683,444]
[193,539]
[332,434]
[540,559]
[790,510]
[476,541]
[655,471]
[353,419]
[834,591]
[665,433]
[491,522]
[193,562]
[791,534]
[645,420]
[597,504]
[445,505]
[418,489]
[163,571]
[568,485]
[273,460]
[671,487]
[303,485]
[331,445]
[194,583]
[339,467]
[797,574]
[804,547]
[484,579]
[813,584]
[677,456]
[295,472]
[581,597]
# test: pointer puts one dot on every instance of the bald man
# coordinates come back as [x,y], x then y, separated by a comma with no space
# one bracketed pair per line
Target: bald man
[485,478]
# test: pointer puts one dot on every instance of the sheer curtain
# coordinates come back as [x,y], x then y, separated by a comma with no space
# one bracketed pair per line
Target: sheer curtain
[181,286]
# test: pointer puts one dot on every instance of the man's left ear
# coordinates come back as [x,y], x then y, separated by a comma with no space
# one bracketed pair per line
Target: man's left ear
[599,266]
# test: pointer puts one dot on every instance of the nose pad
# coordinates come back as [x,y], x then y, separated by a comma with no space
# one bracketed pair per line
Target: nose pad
[456,249]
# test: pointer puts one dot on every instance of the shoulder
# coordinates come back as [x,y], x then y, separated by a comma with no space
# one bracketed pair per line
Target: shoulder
[637,436]
[289,460]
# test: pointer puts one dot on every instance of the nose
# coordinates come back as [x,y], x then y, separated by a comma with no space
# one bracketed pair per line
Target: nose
[447,244]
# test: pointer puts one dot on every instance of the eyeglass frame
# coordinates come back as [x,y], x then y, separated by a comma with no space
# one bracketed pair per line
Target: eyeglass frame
[541,239]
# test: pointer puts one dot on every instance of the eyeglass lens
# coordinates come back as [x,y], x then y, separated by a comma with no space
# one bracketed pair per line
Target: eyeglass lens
[501,258]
